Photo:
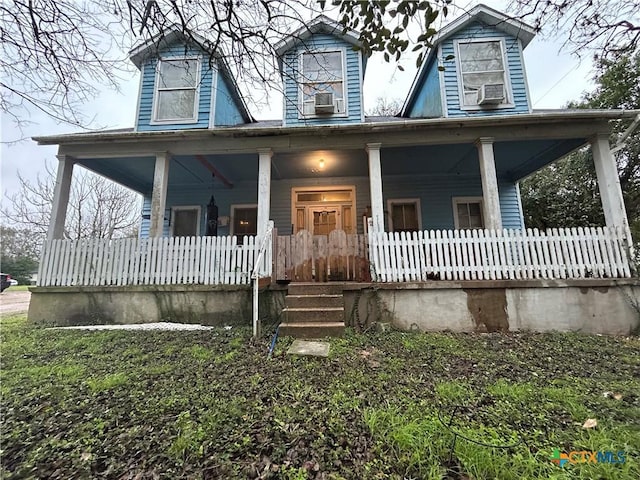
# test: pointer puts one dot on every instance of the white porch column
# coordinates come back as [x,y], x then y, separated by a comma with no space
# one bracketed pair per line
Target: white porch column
[490,198]
[615,214]
[375,185]
[159,194]
[60,197]
[264,190]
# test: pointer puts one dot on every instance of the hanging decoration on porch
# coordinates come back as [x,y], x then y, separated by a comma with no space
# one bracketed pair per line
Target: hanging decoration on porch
[212,214]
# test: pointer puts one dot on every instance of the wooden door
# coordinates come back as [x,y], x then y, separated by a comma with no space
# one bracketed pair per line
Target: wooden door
[324,220]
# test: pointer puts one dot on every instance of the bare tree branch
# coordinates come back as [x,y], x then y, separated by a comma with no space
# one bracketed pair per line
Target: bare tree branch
[57,54]
[603,27]
[386,107]
[98,207]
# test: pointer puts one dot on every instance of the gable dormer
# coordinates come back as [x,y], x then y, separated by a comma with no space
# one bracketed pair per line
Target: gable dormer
[322,75]
[474,68]
[184,86]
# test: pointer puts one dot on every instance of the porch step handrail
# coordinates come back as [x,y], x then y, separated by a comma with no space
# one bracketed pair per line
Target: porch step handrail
[259,271]
[557,253]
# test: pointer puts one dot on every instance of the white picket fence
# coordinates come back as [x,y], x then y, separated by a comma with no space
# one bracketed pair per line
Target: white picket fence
[150,261]
[503,254]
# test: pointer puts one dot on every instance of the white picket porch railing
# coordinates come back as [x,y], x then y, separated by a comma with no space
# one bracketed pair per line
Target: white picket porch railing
[394,257]
[493,255]
[152,261]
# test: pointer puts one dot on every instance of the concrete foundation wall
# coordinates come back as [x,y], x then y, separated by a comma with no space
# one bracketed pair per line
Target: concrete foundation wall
[207,305]
[589,306]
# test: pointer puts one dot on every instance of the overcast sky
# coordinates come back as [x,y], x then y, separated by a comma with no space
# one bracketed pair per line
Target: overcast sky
[555,78]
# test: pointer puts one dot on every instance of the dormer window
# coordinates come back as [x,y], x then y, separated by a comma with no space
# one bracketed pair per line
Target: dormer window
[482,75]
[176,93]
[322,83]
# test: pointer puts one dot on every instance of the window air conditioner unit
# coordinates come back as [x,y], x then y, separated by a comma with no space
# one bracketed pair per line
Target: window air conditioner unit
[491,94]
[324,103]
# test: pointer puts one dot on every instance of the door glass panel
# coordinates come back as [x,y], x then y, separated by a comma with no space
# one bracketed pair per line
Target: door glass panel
[324,222]
[327,196]
[300,212]
[346,220]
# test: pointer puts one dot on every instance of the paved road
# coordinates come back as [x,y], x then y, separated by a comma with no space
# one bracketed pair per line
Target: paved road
[14,302]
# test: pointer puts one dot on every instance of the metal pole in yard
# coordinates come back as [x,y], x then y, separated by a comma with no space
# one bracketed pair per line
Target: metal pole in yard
[256,329]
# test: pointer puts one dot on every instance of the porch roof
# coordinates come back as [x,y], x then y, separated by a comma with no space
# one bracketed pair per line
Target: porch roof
[523,144]
[270,128]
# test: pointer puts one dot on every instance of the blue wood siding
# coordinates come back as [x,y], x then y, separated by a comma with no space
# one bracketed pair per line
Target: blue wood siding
[247,193]
[515,68]
[147,88]
[145,222]
[226,108]
[435,193]
[242,193]
[510,205]
[428,101]
[353,79]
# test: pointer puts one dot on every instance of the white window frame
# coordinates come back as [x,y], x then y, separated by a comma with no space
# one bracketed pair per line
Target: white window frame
[196,97]
[457,200]
[239,206]
[508,96]
[401,201]
[198,208]
[301,83]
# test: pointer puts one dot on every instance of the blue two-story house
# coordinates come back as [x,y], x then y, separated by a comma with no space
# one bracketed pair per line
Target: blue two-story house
[428,198]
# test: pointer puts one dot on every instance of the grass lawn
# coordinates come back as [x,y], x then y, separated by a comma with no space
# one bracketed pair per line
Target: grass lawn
[18,288]
[117,404]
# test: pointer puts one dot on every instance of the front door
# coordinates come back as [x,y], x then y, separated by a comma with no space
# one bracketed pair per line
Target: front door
[324,220]
[324,244]
[323,209]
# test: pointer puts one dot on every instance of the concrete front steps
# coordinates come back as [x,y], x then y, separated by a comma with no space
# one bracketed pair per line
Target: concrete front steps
[313,310]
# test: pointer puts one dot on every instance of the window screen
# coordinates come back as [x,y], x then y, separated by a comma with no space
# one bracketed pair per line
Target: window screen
[404,217]
[185,222]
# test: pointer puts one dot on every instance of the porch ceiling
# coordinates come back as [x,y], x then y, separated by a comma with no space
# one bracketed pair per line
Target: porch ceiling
[185,171]
[135,173]
[514,160]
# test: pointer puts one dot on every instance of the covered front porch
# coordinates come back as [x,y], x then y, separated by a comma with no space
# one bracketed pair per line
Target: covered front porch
[397,209]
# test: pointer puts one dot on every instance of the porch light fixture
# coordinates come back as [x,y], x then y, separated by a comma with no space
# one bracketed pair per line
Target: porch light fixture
[321,164]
